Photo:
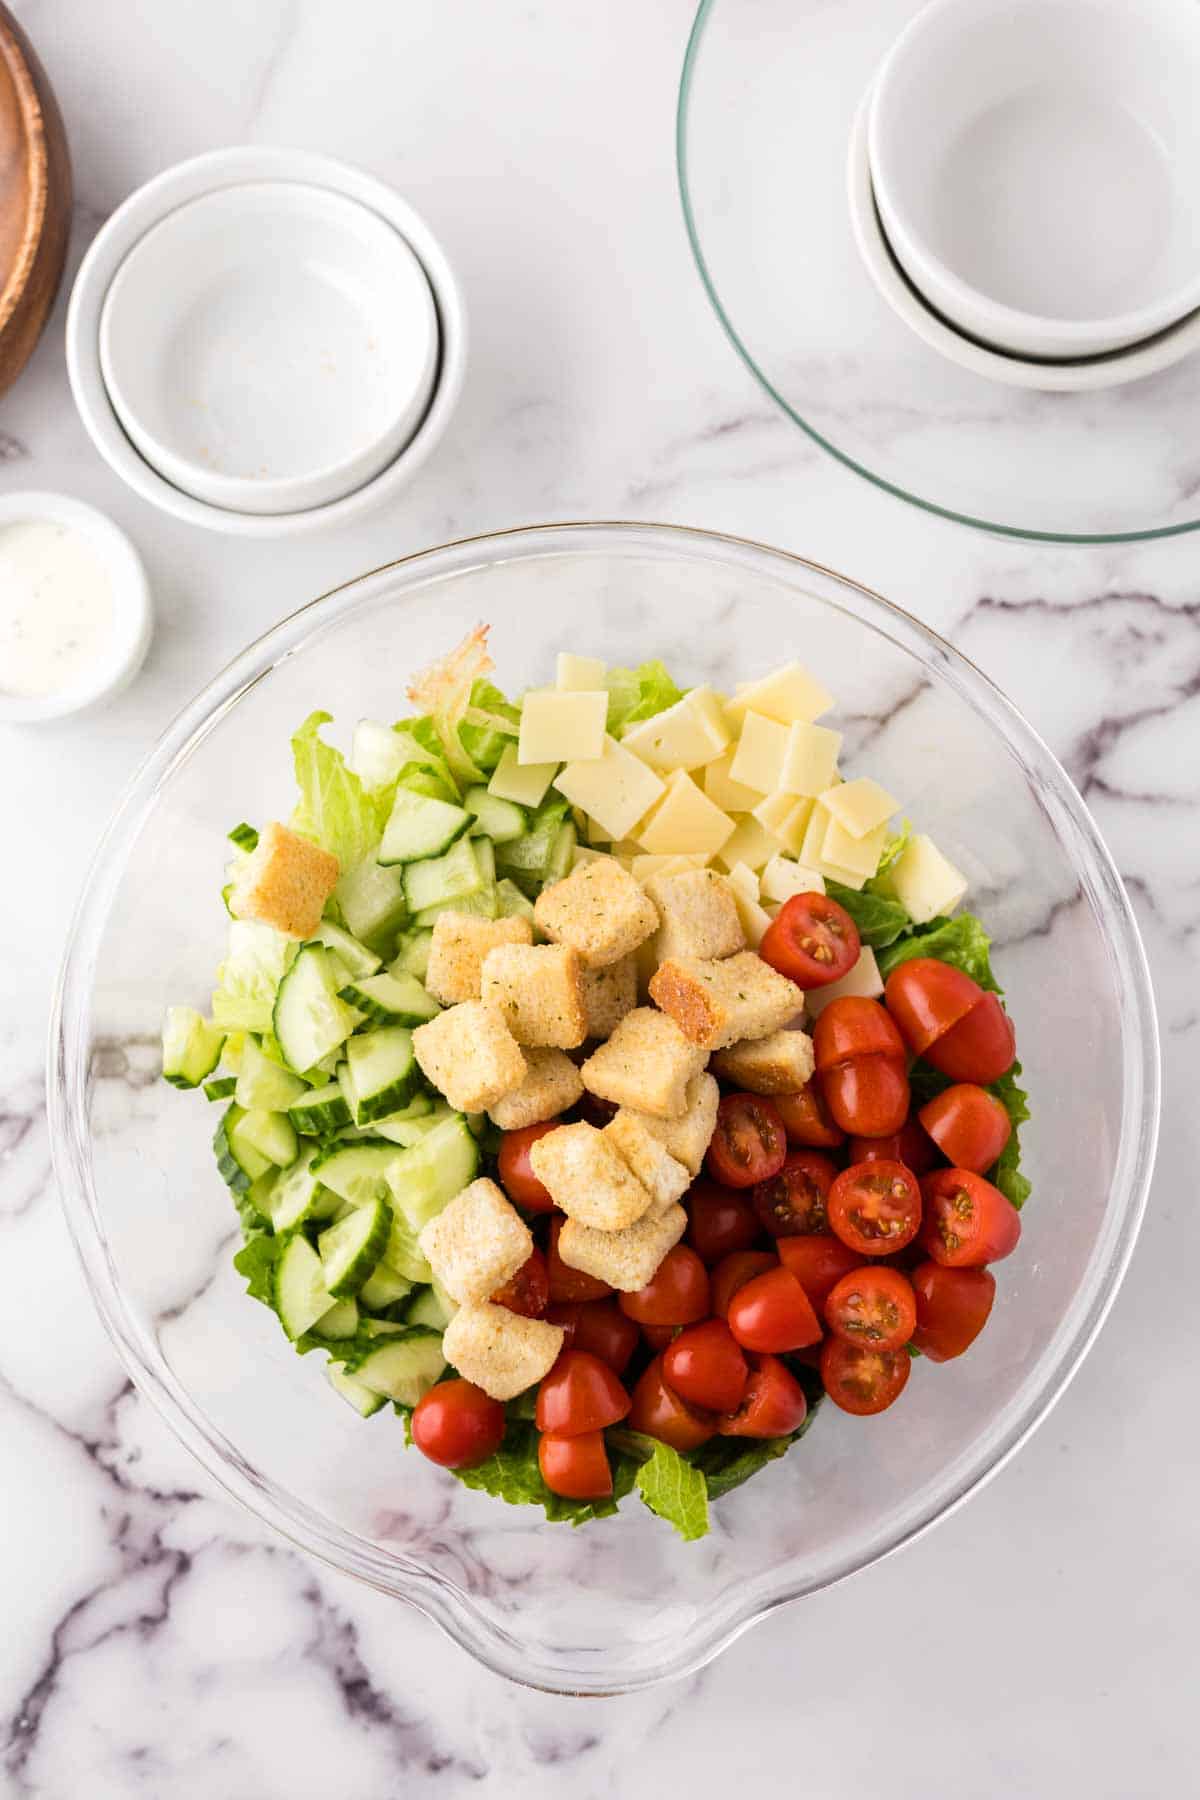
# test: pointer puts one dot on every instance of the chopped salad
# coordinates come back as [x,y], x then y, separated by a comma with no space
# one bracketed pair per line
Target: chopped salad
[606,1080]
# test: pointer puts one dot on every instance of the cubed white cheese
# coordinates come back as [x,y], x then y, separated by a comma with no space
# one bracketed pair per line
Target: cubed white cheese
[859,806]
[578,674]
[732,796]
[810,760]
[863,979]
[859,854]
[754,920]
[813,841]
[751,844]
[526,786]
[685,736]
[761,749]
[559,727]
[643,867]
[786,694]
[786,818]
[782,878]
[925,882]
[685,822]
[847,877]
[745,880]
[616,790]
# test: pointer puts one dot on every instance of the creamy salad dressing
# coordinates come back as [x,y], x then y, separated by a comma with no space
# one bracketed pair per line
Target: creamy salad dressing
[56,608]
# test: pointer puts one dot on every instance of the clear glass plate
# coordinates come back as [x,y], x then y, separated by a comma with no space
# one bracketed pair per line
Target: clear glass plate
[767,103]
[621,1603]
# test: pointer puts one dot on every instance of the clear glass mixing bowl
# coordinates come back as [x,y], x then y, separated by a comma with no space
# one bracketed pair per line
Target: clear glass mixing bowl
[622,1603]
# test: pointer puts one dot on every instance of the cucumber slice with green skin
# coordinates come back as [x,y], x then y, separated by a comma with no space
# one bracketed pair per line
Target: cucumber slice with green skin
[391,1000]
[357,1173]
[260,1195]
[372,902]
[512,903]
[299,1195]
[191,1047]
[482,903]
[350,1250]
[239,1163]
[244,836]
[221,1089]
[485,856]
[500,820]
[558,863]
[354,956]
[430,1308]
[381,1072]
[262,1085]
[403,1253]
[383,1288]
[439,879]
[363,1399]
[405,1132]
[340,1322]
[419,778]
[420,826]
[321,1111]
[404,1367]
[412,957]
[271,1134]
[300,1296]
[430,1174]
[310,1021]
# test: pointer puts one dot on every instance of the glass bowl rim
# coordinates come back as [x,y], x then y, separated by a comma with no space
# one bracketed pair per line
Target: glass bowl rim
[394,1573]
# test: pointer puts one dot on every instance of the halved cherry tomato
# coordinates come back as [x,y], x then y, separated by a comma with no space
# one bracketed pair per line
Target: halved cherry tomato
[968,1222]
[861,1380]
[818,1263]
[875,1207]
[969,1126]
[794,1200]
[733,1272]
[676,1294]
[599,1327]
[705,1366]
[748,1143]
[854,1026]
[812,940]
[575,1467]
[580,1393]
[953,1306]
[658,1336]
[565,1282]
[773,1313]
[516,1171]
[869,1095]
[528,1293]
[658,1412]
[911,1145]
[457,1425]
[979,1048]
[720,1220]
[807,1120]
[875,1307]
[926,997]
[773,1404]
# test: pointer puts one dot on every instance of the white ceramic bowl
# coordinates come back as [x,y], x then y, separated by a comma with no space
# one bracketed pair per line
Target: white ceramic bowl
[271,347]
[1037,167]
[187,181]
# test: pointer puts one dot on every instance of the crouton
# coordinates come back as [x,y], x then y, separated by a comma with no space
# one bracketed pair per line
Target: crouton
[600,910]
[551,1084]
[476,1243]
[716,1003]
[698,912]
[586,1177]
[625,1259]
[664,1179]
[285,882]
[778,1064]
[456,952]
[686,1138]
[608,994]
[539,990]
[646,1063]
[470,1055]
[500,1351]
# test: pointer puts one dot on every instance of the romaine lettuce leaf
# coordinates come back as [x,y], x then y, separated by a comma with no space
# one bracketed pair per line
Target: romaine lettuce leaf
[636,694]
[334,809]
[961,940]
[512,1474]
[255,963]
[255,1262]
[676,1490]
[489,724]
[880,920]
[444,691]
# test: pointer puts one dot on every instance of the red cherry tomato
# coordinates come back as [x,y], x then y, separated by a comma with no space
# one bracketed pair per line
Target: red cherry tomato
[773,1313]
[773,1404]
[952,1308]
[658,1336]
[850,1027]
[748,1144]
[528,1293]
[979,1048]
[793,1201]
[580,1393]
[720,1220]
[807,1120]
[875,1307]
[869,1095]
[875,1207]
[575,1467]
[818,1263]
[861,1380]
[926,997]
[676,1294]
[733,1272]
[968,1222]
[659,1413]
[599,1327]
[812,940]
[969,1126]
[516,1171]
[565,1282]
[911,1145]
[457,1425]
[705,1367]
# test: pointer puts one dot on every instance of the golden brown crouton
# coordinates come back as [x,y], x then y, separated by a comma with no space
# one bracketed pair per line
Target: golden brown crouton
[778,1064]
[716,1003]
[698,912]
[608,994]
[284,882]
[664,1179]
[476,1243]
[646,1063]
[688,1137]
[539,989]
[456,952]
[625,1259]
[500,1351]
[600,910]
[469,1053]
[551,1084]
[587,1178]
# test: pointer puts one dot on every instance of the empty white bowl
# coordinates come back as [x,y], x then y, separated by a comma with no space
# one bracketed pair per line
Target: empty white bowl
[1036,164]
[270,347]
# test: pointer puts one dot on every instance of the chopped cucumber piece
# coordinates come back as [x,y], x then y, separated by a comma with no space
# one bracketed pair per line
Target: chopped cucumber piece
[431,1307]
[404,1367]
[357,1173]
[220,1089]
[310,1021]
[301,1297]
[340,1322]
[420,826]
[271,1134]
[239,1163]
[191,1047]
[372,901]
[383,1288]
[513,904]
[391,1000]
[351,1249]
[482,903]
[381,1072]
[443,878]
[321,1111]
[363,1399]
[263,1085]
[499,820]
[299,1195]
[413,954]
[558,863]
[406,1131]
[354,957]
[420,778]
[403,1253]
[260,1195]
[430,1174]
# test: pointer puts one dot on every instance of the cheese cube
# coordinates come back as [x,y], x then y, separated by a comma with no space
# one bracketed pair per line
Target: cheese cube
[685,821]
[813,842]
[593,831]
[786,818]
[863,979]
[525,785]
[859,806]
[810,760]
[760,753]
[754,918]
[644,868]
[684,736]
[616,790]
[846,877]
[578,674]
[860,855]
[925,882]
[786,694]
[782,878]
[751,844]
[745,880]
[558,727]
[719,785]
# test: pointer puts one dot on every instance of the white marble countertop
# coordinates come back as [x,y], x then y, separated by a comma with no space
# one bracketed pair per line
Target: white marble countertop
[158,1641]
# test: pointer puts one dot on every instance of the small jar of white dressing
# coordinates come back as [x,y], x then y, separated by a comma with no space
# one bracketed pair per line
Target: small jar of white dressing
[75,614]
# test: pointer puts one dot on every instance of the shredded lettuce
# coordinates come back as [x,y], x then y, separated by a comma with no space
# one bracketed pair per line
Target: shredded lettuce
[255,963]
[961,941]
[636,694]
[334,809]
[880,921]
[512,1474]
[676,1490]
[444,691]
[489,724]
